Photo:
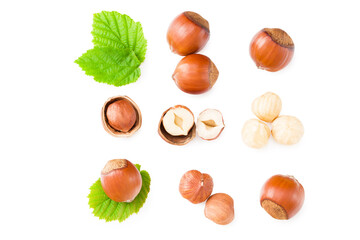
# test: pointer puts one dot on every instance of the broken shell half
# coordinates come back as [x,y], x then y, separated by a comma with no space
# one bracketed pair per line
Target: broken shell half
[210,124]
[177,125]
[114,132]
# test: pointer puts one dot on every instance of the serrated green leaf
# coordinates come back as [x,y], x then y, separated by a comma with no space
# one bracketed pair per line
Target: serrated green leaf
[104,208]
[112,66]
[119,31]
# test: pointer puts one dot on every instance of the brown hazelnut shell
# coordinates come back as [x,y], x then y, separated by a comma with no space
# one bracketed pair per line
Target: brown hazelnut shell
[107,126]
[176,140]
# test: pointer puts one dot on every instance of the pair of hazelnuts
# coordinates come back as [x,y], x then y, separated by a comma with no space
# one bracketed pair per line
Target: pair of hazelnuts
[281,196]
[271,49]
[187,34]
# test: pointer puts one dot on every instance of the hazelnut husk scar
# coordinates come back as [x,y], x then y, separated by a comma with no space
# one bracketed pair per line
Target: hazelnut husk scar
[115,132]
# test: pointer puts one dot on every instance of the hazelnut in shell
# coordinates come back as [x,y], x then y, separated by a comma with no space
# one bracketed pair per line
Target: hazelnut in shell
[188,33]
[195,74]
[120,116]
[121,180]
[282,196]
[272,49]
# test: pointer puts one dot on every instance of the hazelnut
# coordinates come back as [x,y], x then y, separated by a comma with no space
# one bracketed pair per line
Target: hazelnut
[188,33]
[195,74]
[287,130]
[282,196]
[255,133]
[177,125]
[121,116]
[210,124]
[267,107]
[219,208]
[271,49]
[121,180]
[196,186]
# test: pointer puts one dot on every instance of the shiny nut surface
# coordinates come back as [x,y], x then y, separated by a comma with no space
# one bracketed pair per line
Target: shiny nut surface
[121,115]
[195,74]
[188,33]
[121,180]
[271,49]
[282,196]
[112,130]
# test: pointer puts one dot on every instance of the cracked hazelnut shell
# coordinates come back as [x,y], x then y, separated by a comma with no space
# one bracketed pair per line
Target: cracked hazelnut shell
[127,113]
[176,140]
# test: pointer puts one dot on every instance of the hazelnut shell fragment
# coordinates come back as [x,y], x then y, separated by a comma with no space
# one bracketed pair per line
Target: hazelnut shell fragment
[111,130]
[176,140]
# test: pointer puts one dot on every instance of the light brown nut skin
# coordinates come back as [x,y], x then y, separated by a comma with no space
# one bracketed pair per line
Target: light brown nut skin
[196,186]
[219,208]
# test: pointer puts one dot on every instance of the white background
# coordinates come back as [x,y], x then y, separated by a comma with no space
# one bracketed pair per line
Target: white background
[53,146]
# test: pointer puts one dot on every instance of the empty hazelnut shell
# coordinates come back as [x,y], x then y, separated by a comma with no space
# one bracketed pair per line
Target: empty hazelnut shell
[114,132]
[175,140]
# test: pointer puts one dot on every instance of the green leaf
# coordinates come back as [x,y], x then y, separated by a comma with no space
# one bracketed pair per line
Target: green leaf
[105,208]
[119,31]
[109,65]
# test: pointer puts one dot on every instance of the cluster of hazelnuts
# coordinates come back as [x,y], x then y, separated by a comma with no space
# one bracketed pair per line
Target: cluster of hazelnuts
[286,129]
[271,49]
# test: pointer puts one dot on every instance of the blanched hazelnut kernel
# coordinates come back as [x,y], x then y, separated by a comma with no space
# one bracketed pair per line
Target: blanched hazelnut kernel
[255,133]
[267,107]
[287,130]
